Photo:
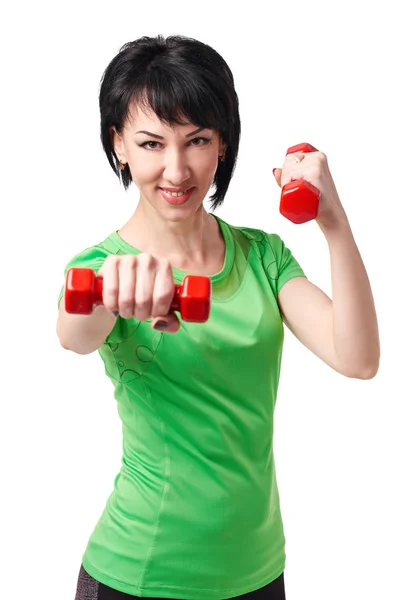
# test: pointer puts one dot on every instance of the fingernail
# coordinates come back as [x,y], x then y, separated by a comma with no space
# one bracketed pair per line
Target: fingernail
[160,324]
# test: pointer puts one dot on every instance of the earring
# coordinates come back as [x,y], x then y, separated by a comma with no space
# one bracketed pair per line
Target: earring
[222,157]
[122,165]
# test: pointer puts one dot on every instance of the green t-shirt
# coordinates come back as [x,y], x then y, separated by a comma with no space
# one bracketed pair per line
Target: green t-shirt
[195,509]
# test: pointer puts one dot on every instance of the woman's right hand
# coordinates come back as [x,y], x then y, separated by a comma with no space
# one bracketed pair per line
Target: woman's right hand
[140,286]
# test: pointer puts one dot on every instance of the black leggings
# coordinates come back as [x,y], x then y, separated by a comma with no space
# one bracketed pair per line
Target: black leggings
[90,589]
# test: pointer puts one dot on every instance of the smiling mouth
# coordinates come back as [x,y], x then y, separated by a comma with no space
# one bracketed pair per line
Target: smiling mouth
[176,198]
[176,192]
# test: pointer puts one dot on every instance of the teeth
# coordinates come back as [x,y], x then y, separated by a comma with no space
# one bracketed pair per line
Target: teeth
[176,194]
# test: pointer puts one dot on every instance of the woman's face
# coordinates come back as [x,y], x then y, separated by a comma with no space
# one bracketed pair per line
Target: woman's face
[180,157]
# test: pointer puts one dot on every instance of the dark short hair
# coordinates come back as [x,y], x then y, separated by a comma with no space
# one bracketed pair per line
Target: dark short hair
[181,79]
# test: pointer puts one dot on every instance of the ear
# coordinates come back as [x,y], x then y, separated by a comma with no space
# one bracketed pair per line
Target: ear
[222,146]
[118,143]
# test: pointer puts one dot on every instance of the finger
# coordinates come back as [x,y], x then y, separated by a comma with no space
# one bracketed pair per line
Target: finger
[169,323]
[295,157]
[292,170]
[127,284]
[278,174]
[284,176]
[145,280]
[110,288]
[164,289]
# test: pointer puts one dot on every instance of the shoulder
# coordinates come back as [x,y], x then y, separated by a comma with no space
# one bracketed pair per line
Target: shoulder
[271,252]
[260,239]
[93,256]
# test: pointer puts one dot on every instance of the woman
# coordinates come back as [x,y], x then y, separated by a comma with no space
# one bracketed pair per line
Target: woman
[195,510]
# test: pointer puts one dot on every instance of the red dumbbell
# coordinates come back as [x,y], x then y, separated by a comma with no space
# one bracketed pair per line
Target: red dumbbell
[299,198]
[192,299]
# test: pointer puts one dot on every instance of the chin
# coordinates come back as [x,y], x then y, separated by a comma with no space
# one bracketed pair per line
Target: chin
[183,213]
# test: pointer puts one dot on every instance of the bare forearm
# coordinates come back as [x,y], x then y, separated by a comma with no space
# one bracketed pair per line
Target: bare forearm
[356,335]
[84,334]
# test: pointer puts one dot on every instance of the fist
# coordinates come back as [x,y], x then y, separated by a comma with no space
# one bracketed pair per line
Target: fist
[314,168]
[140,286]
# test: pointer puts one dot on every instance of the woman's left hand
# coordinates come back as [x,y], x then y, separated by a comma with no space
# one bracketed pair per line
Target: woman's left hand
[313,167]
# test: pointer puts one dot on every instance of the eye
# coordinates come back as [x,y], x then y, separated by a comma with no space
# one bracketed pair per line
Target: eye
[204,141]
[146,143]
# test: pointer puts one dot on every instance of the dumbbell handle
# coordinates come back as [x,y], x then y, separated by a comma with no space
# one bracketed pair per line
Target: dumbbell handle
[300,198]
[84,291]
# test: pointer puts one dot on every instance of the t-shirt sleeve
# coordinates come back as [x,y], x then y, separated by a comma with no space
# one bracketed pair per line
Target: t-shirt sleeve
[284,265]
[91,258]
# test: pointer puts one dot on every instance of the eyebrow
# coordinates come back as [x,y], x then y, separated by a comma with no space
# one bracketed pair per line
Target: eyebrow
[160,137]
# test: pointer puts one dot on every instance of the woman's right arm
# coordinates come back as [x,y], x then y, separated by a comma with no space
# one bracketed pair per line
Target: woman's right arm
[133,286]
[84,334]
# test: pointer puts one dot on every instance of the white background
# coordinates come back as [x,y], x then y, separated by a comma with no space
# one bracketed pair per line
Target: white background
[334,74]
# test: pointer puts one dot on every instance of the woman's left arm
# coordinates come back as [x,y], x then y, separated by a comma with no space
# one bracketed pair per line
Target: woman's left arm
[343,332]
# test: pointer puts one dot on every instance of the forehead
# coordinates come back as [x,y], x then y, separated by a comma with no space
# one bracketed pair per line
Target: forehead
[143,117]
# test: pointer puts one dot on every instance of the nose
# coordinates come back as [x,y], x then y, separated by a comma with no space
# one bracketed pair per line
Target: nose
[176,168]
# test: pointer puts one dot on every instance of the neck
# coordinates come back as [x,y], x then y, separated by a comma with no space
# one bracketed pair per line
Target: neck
[180,241]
